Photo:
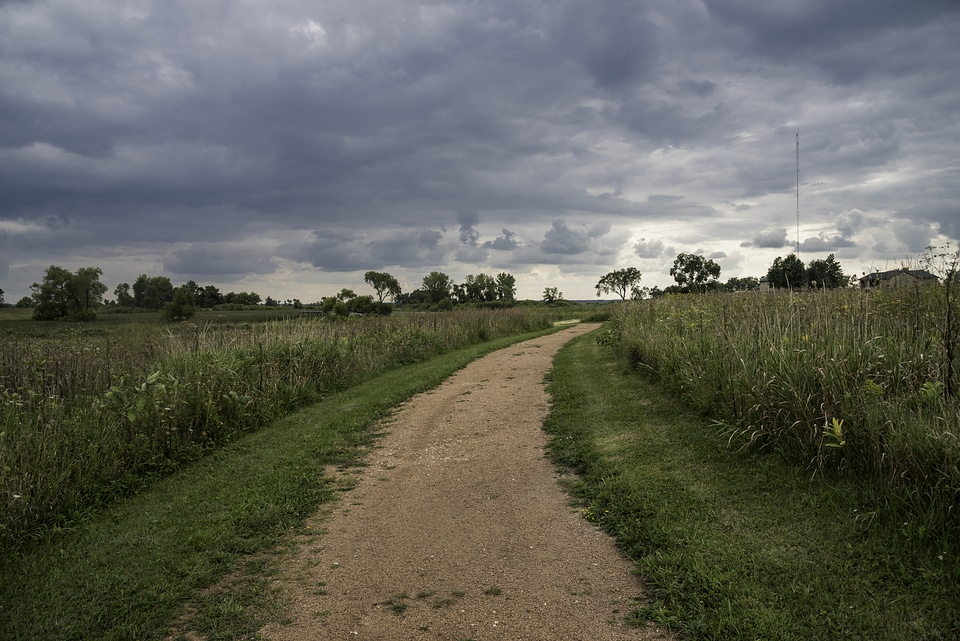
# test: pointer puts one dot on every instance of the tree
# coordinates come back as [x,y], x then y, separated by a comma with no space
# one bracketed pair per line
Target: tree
[787,273]
[65,294]
[152,292]
[477,289]
[826,273]
[384,284]
[506,287]
[241,298]
[182,306]
[620,282]
[735,284]
[694,273]
[124,297]
[1,297]
[552,294]
[24,303]
[436,285]
[209,297]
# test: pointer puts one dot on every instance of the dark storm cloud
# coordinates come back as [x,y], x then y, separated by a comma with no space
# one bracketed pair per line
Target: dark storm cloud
[506,241]
[222,139]
[212,259]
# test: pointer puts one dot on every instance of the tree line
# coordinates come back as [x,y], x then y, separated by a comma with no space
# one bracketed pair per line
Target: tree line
[78,295]
[693,273]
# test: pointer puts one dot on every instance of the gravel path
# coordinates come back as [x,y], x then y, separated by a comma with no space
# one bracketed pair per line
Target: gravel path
[458,528]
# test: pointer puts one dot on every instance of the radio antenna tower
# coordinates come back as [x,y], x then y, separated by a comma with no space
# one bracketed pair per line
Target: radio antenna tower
[798,193]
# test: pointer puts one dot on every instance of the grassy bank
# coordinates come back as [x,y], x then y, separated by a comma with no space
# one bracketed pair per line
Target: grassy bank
[127,572]
[738,545]
[92,412]
[853,384]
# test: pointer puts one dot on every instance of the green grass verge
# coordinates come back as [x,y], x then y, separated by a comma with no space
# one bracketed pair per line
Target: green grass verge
[128,571]
[734,545]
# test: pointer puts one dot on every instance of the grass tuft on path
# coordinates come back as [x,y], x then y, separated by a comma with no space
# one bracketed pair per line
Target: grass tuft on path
[733,545]
[205,536]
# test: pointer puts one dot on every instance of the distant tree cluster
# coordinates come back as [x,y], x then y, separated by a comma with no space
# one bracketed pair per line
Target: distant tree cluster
[790,273]
[63,294]
[78,295]
[438,289]
[154,292]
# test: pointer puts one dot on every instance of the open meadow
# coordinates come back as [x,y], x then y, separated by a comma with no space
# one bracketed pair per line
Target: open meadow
[91,411]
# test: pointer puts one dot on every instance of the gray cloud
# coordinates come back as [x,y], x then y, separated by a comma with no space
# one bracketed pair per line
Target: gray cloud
[771,238]
[649,248]
[338,137]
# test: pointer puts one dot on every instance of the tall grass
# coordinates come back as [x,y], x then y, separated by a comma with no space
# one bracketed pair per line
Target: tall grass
[845,382]
[85,416]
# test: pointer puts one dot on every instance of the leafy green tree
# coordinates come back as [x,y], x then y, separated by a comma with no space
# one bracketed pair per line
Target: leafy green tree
[209,297]
[124,297]
[384,284]
[506,287]
[24,303]
[787,273]
[436,285]
[1,297]
[241,298]
[183,305]
[826,273]
[737,284]
[694,273]
[152,292]
[620,282]
[552,294]
[65,294]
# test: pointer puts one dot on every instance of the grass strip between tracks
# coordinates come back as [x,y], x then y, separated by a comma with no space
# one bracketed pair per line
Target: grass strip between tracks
[128,572]
[734,545]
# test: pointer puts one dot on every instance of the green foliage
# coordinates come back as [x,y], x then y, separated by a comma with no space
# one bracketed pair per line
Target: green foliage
[182,307]
[741,284]
[63,294]
[826,273]
[152,292]
[787,273]
[89,415]
[384,284]
[694,273]
[436,285]
[734,545]
[551,295]
[620,282]
[800,374]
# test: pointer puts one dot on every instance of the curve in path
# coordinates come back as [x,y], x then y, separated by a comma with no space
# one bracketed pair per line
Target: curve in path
[458,527]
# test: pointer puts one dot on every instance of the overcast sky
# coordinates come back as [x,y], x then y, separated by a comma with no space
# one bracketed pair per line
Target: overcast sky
[286,147]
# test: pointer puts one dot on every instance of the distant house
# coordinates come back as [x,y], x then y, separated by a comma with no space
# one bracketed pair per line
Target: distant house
[765,284]
[898,278]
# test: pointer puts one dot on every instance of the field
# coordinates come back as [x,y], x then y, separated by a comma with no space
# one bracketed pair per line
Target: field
[89,412]
[849,383]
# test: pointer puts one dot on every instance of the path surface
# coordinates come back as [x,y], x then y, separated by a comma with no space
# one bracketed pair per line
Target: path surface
[459,529]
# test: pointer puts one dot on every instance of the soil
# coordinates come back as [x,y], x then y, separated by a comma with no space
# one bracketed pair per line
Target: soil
[459,528]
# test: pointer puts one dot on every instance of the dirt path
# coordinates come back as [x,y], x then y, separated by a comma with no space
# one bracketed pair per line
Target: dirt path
[458,528]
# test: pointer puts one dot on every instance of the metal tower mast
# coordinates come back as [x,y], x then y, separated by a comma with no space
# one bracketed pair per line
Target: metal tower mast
[798,193]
